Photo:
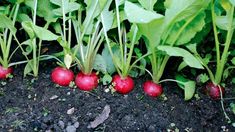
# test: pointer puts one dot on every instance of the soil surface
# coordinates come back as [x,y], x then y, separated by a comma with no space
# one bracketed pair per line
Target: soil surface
[28,104]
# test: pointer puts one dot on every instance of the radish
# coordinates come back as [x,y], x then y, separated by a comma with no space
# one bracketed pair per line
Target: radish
[5,72]
[123,85]
[213,90]
[86,82]
[152,89]
[62,76]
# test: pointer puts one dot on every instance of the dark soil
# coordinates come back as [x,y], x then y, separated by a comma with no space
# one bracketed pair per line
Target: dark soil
[25,105]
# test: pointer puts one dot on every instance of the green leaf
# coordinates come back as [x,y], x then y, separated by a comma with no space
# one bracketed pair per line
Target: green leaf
[106,79]
[150,23]
[151,31]
[187,56]
[178,10]
[189,89]
[187,85]
[137,14]
[203,78]
[68,7]
[130,34]
[23,17]
[108,58]
[40,32]
[183,19]
[100,64]
[233,61]
[29,47]
[44,34]
[233,80]
[192,48]
[92,11]
[27,25]
[182,66]
[148,4]
[182,32]
[28,68]
[44,9]
[223,22]
[4,10]
[103,3]
[108,18]
[5,22]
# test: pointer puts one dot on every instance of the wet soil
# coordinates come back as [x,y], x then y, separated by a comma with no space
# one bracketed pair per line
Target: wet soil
[29,104]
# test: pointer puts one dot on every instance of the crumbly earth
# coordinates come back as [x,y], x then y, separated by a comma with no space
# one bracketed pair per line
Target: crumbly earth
[28,104]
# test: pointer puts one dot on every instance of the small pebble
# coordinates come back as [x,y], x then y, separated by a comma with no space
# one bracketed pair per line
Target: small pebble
[70,111]
[172,124]
[70,129]
[54,97]
[106,90]
[76,124]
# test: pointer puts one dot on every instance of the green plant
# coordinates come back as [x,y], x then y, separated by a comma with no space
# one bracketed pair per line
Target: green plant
[7,31]
[222,13]
[123,55]
[88,33]
[36,36]
[164,35]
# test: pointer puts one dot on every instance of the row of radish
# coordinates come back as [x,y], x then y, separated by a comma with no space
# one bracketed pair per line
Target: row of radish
[64,77]
[134,34]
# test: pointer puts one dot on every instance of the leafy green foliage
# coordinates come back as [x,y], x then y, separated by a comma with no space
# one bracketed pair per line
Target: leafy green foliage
[36,31]
[143,16]
[7,23]
[182,21]
[202,78]
[187,56]
[187,85]
[64,6]
[147,4]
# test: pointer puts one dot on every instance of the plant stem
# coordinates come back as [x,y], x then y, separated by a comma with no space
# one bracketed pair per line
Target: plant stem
[10,35]
[154,63]
[162,67]
[35,64]
[70,31]
[109,45]
[127,66]
[217,43]
[120,36]
[222,62]
[19,44]
[64,19]
[80,37]
[171,80]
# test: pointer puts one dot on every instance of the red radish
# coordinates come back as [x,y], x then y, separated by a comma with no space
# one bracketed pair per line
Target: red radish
[86,82]
[152,89]
[62,76]
[123,85]
[213,90]
[5,72]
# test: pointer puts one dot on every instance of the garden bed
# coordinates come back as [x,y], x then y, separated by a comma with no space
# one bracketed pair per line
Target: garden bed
[28,104]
